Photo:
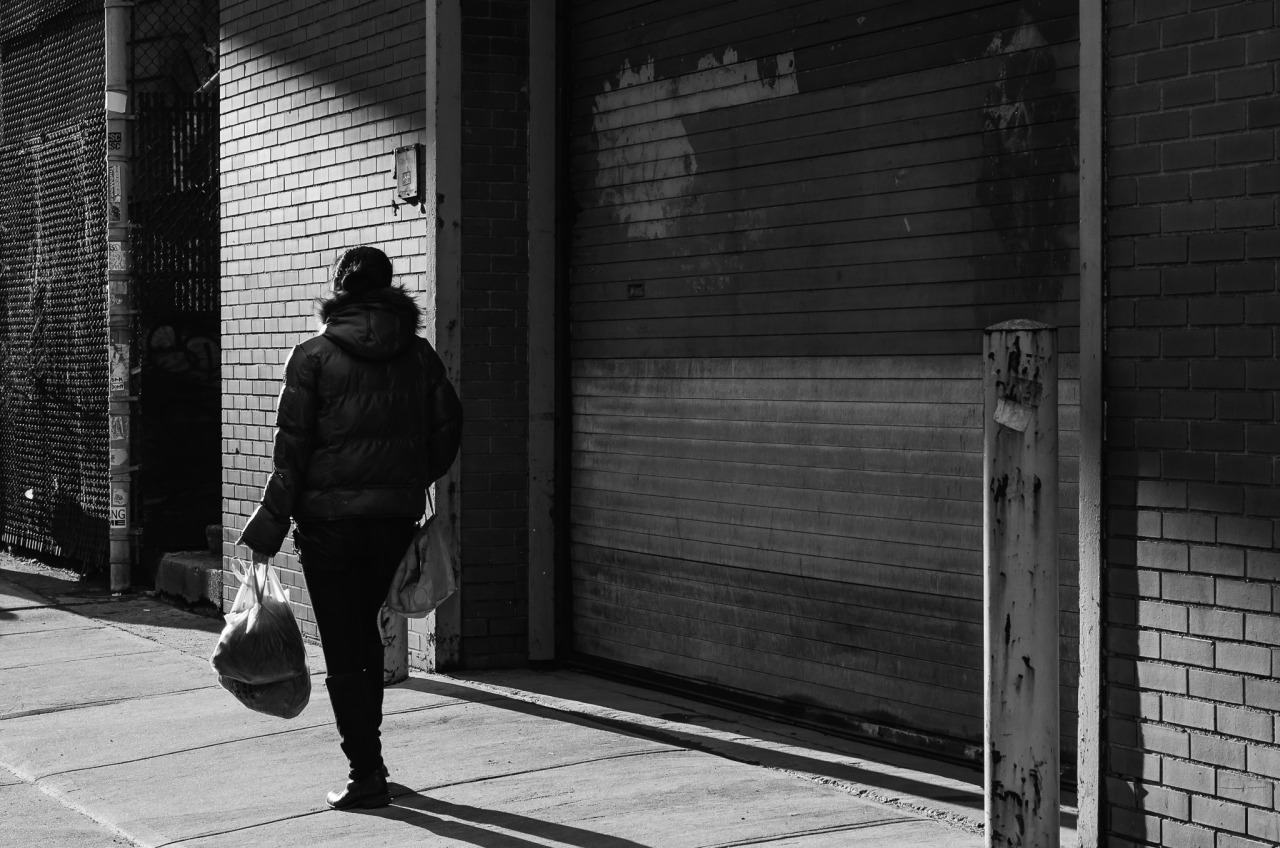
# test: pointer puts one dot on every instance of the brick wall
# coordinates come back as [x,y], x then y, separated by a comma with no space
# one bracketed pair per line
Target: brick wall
[1193,636]
[495,371]
[315,98]
[312,109]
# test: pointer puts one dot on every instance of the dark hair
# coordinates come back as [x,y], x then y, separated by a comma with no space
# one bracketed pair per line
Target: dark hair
[360,269]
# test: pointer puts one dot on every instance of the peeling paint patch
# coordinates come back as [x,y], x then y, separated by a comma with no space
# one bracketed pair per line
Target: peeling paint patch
[709,60]
[645,162]
[1006,110]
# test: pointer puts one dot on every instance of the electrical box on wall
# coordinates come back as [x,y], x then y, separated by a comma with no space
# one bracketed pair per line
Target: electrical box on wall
[410,173]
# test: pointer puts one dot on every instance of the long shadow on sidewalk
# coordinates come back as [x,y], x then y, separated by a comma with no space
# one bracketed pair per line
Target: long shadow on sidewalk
[605,707]
[470,824]
[884,785]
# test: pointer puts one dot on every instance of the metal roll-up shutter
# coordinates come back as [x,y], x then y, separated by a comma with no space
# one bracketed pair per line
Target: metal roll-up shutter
[792,222]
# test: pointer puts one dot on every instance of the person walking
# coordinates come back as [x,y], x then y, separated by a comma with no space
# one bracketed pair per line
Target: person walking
[366,421]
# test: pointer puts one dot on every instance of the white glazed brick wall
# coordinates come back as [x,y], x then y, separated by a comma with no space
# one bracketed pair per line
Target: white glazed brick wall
[315,99]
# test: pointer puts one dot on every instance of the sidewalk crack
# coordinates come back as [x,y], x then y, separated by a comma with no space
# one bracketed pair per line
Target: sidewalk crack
[410,792]
[817,831]
[87,704]
[103,656]
[177,751]
[521,772]
[294,729]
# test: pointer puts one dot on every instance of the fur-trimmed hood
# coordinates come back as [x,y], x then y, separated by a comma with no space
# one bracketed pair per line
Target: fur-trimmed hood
[378,324]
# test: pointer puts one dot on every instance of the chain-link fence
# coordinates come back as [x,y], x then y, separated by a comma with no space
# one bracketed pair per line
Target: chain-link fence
[175,46]
[53,339]
[53,334]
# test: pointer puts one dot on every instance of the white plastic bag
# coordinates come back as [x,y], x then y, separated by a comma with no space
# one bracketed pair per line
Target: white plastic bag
[261,642]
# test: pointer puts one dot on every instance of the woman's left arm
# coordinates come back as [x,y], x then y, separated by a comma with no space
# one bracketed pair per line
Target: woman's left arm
[265,530]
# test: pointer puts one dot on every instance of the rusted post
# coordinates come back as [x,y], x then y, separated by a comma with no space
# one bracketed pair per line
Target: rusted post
[1020,586]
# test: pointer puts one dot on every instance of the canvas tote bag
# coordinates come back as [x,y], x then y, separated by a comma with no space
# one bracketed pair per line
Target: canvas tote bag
[424,577]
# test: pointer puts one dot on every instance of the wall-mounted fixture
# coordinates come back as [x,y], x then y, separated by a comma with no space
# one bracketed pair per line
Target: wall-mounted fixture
[410,174]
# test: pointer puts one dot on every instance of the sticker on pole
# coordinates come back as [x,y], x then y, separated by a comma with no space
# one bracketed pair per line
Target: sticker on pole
[118,293]
[1017,403]
[114,193]
[117,256]
[119,368]
[119,508]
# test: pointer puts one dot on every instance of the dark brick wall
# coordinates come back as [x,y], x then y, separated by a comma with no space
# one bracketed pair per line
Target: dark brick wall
[495,371]
[1192,638]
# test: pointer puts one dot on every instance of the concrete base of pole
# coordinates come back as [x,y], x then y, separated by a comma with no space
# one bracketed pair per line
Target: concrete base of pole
[121,565]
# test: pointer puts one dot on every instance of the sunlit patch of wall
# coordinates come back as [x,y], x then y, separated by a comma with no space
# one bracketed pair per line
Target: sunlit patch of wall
[316,96]
[1191,742]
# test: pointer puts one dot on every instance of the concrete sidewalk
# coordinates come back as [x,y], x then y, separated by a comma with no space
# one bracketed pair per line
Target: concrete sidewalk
[113,731]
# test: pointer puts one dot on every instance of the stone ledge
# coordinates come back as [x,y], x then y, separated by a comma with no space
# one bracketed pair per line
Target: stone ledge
[193,576]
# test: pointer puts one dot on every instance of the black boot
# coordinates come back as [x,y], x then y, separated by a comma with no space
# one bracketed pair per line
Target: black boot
[354,702]
[368,793]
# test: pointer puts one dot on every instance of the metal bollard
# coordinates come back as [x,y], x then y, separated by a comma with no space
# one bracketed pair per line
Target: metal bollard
[1020,586]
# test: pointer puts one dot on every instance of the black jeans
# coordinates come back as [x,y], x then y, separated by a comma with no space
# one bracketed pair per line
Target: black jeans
[349,564]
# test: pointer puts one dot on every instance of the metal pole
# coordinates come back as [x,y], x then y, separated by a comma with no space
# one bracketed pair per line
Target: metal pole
[1089,828]
[542,332]
[1020,586]
[441,632]
[119,293]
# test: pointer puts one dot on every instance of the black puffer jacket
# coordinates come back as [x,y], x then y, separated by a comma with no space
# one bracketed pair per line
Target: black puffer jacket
[366,421]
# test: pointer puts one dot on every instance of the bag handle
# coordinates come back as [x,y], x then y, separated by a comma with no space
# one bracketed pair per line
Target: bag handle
[248,573]
[431,503]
